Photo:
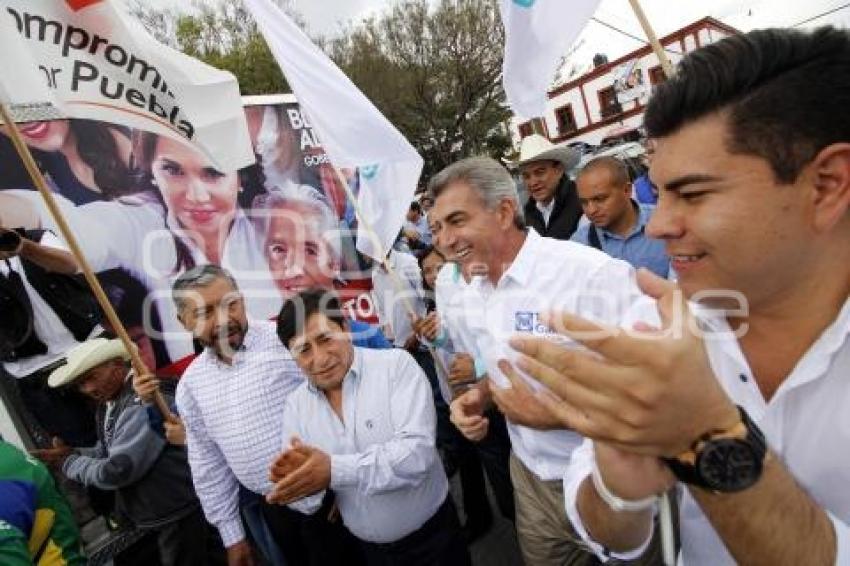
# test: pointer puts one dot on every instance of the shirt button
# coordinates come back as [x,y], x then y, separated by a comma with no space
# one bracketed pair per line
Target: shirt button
[743,378]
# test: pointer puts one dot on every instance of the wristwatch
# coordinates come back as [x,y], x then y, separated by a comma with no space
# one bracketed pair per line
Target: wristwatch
[723,460]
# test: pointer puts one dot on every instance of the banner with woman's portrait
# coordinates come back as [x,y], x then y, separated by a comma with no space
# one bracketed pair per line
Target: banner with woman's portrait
[145,208]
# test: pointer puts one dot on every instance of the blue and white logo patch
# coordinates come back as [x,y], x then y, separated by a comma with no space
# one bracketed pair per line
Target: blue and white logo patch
[529,321]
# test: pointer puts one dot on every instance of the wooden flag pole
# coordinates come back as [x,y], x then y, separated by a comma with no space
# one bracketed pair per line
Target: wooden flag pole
[653,39]
[394,276]
[68,235]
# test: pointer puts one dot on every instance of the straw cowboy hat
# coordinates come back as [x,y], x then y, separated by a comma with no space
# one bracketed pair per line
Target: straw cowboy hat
[84,357]
[537,148]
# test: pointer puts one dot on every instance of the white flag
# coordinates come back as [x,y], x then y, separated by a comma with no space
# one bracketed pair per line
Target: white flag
[351,130]
[537,34]
[87,59]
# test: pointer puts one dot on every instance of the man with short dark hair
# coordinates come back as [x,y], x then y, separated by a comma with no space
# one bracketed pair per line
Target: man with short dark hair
[617,222]
[552,209]
[753,167]
[364,426]
[416,225]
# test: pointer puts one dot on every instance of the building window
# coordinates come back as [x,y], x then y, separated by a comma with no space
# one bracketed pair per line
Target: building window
[608,104]
[525,130]
[566,120]
[656,75]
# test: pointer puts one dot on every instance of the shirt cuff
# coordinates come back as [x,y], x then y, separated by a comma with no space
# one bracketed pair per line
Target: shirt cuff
[231,532]
[480,368]
[842,540]
[571,505]
[343,470]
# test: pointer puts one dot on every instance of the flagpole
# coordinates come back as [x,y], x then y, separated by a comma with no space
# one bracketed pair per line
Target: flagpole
[37,178]
[653,39]
[394,276]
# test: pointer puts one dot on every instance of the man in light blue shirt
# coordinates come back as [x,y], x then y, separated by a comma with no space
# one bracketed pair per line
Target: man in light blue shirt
[364,427]
[617,222]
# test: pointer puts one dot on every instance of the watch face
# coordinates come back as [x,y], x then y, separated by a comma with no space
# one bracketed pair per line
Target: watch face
[728,465]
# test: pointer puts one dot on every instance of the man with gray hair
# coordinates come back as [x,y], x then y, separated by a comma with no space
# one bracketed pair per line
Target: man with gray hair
[231,401]
[515,276]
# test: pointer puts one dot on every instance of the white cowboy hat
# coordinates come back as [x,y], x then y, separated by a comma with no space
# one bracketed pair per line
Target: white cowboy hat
[84,357]
[537,148]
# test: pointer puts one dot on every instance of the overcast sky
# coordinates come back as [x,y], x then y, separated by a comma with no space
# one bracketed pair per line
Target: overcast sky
[326,17]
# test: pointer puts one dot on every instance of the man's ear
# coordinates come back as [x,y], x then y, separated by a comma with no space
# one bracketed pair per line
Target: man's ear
[830,173]
[507,212]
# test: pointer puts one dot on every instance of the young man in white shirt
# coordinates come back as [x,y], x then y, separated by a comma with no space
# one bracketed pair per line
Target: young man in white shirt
[515,275]
[364,426]
[753,168]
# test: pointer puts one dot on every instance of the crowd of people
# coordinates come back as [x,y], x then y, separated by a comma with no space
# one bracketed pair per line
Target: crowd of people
[586,352]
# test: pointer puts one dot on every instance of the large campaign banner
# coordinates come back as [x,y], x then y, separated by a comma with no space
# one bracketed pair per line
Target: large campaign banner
[89,59]
[146,207]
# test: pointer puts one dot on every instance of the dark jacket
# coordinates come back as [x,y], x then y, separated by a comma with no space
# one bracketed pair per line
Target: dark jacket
[67,295]
[151,477]
[565,215]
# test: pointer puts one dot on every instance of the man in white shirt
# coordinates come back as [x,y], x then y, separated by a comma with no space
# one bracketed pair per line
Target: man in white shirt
[753,165]
[515,275]
[415,235]
[364,426]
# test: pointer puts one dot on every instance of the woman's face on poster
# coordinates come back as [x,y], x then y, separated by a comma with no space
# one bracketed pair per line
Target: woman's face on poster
[299,257]
[45,136]
[199,196]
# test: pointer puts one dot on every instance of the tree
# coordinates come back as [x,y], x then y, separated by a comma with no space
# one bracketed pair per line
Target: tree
[433,72]
[436,74]
[222,34]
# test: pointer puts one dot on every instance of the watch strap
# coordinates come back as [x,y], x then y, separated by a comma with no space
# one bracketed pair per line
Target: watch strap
[687,471]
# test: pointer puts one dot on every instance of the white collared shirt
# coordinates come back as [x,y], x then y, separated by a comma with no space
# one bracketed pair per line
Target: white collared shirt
[546,210]
[233,415]
[392,304]
[385,469]
[546,274]
[806,423]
